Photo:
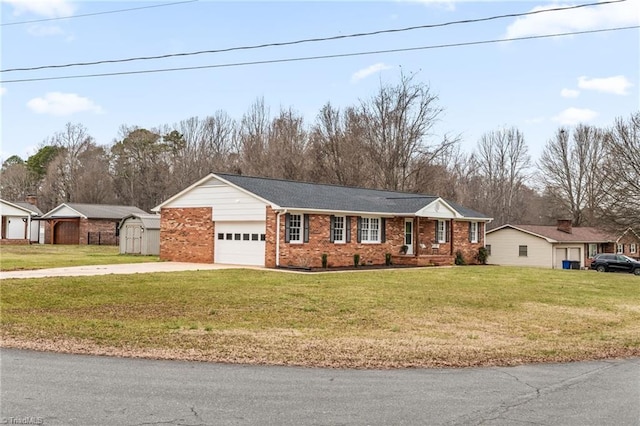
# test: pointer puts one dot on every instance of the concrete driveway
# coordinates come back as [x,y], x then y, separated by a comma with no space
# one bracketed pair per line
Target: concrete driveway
[129,268]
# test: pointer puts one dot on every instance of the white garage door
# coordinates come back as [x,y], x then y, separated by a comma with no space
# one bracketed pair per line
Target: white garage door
[240,243]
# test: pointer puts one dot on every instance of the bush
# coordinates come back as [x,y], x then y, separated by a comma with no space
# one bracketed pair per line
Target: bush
[387,259]
[324,260]
[356,260]
[460,258]
[483,255]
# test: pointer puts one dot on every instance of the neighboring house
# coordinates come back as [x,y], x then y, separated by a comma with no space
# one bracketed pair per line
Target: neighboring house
[245,220]
[628,244]
[140,234]
[73,223]
[17,225]
[546,246]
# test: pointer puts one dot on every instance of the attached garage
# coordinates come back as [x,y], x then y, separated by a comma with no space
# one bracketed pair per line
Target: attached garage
[240,243]
[140,234]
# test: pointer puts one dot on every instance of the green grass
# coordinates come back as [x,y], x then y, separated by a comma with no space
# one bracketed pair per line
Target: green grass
[39,256]
[413,317]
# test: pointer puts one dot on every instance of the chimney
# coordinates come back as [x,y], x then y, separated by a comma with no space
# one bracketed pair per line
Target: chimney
[31,199]
[564,225]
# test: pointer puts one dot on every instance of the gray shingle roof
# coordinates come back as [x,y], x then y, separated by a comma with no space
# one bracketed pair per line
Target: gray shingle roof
[102,211]
[27,206]
[304,195]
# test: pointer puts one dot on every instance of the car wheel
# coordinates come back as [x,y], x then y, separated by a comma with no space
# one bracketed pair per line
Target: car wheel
[636,271]
[601,268]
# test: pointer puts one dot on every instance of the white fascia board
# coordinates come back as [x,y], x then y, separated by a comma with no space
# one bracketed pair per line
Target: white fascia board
[249,193]
[184,191]
[30,212]
[431,210]
[50,213]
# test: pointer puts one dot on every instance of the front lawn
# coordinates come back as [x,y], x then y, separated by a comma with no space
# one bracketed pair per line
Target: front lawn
[39,256]
[459,316]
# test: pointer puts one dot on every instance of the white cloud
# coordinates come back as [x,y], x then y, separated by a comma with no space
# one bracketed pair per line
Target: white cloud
[366,72]
[573,116]
[44,30]
[46,8]
[569,93]
[616,85]
[587,18]
[59,104]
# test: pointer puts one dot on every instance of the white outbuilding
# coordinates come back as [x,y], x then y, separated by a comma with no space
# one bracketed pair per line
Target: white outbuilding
[140,234]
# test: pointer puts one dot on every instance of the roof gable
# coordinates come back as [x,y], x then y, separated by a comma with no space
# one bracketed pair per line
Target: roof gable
[553,235]
[93,211]
[26,208]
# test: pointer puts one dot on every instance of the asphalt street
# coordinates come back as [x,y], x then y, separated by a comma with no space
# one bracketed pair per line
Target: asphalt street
[60,389]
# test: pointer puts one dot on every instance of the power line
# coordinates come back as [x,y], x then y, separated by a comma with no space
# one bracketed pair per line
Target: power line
[6,24]
[310,40]
[311,58]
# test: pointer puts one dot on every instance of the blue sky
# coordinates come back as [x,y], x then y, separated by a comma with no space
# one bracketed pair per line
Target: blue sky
[535,85]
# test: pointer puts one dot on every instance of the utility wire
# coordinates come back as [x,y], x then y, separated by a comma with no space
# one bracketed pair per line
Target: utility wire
[310,40]
[311,58]
[6,24]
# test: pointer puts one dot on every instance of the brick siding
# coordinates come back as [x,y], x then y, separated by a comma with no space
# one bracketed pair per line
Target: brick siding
[187,234]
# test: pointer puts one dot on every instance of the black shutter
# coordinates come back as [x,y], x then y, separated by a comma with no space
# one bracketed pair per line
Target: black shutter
[436,238]
[383,231]
[347,226]
[332,226]
[470,233]
[286,227]
[306,228]
[447,229]
[359,237]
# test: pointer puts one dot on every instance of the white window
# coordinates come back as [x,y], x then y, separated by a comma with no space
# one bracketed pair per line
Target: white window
[338,229]
[295,228]
[593,250]
[442,231]
[620,248]
[473,232]
[370,230]
[633,248]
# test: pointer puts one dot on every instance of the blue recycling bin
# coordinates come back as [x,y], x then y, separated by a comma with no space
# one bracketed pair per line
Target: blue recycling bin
[566,264]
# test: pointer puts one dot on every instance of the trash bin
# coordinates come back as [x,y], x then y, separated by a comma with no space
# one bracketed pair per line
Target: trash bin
[575,264]
[566,264]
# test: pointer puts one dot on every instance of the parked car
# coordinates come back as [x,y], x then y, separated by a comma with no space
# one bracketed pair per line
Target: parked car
[615,263]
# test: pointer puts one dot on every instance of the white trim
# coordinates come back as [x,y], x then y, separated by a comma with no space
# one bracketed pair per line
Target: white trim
[31,212]
[51,212]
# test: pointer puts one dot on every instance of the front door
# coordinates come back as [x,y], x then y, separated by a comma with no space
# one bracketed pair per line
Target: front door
[408,235]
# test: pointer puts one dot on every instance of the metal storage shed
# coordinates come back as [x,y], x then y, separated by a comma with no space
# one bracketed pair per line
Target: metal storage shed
[140,234]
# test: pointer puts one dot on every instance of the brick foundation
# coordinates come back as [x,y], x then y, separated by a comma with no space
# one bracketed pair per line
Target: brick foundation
[187,234]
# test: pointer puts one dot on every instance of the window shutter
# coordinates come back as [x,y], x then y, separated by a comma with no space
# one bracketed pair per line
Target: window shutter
[470,233]
[383,231]
[306,228]
[347,230]
[359,238]
[447,229]
[436,234]
[286,227]
[332,227]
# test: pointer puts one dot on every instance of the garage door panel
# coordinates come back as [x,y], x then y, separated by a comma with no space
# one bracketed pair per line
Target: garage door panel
[240,243]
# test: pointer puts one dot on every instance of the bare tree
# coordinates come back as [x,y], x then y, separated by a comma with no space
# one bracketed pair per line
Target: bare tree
[571,172]
[503,161]
[16,182]
[398,120]
[253,138]
[287,146]
[621,206]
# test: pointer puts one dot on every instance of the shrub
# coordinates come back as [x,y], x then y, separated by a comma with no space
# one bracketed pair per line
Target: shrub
[324,260]
[483,255]
[356,260]
[387,259]
[460,258]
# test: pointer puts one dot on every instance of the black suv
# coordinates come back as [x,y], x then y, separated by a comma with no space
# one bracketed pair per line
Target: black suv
[615,263]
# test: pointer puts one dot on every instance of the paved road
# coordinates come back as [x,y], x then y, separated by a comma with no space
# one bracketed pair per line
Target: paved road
[58,389]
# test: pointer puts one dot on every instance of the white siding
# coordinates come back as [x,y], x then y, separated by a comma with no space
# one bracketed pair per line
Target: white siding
[437,209]
[229,204]
[65,211]
[14,219]
[505,249]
